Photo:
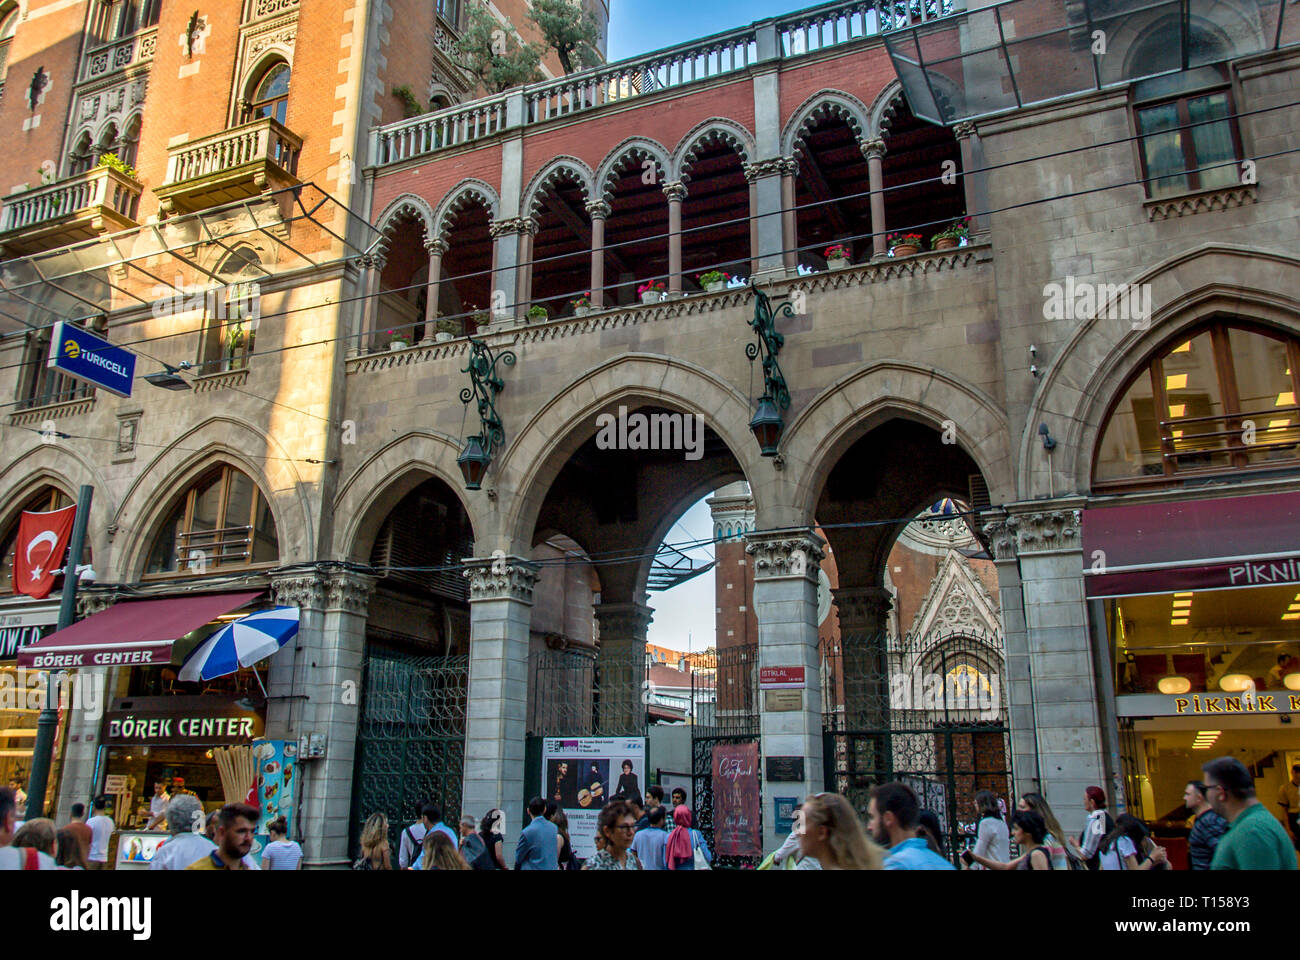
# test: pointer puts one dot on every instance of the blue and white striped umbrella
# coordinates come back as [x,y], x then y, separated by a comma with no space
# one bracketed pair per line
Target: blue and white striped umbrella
[241,644]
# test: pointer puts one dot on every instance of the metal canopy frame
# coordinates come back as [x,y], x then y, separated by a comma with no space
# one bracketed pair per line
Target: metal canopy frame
[91,278]
[974,64]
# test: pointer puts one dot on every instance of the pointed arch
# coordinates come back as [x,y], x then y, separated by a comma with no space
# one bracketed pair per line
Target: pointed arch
[633,149]
[560,168]
[882,110]
[713,130]
[407,207]
[469,190]
[822,104]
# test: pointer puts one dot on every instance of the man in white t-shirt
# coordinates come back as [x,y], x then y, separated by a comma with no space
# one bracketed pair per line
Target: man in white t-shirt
[157,805]
[12,858]
[101,831]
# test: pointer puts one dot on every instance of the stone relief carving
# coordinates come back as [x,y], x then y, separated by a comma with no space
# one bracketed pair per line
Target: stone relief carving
[501,578]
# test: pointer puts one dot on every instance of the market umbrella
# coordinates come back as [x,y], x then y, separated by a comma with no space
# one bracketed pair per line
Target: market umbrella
[241,644]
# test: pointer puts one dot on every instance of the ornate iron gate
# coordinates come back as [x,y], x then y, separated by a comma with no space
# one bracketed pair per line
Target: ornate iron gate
[930,712]
[411,737]
[725,705]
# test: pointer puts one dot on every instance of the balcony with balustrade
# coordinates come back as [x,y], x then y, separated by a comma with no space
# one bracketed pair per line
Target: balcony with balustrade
[99,201]
[232,165]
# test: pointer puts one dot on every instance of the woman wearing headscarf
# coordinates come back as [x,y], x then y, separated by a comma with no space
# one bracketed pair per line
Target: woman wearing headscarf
[684,841]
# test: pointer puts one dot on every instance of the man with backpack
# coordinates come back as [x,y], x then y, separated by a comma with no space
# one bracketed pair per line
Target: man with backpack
[411,846]
[431,819]
[1097,829]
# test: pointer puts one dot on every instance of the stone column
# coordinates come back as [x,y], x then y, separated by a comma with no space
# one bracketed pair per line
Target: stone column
[437,248]
[675,192]
[1061,681]
[967,140]
[785,599]
[620,663]
[325,679]
[599,211]
[308,591]
[874,151]
[768,224]
[501,598]
[524,294]
[505,267]
[374,266]
[789,221]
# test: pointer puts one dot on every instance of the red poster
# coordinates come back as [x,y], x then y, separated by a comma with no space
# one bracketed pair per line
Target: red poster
[736,802]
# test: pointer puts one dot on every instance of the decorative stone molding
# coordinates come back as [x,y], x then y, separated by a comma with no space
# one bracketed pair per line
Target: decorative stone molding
[862,609]
[872,149]
[964,129]
[267,8]
[1001,538]
[1172,207]
[502,228]
[386,359]
[304,590]
[773,167]
[349,592]
[1049,530]
[598,209]
[501,578]
[785,553]
[623,623]
[52,411]
[675,190]
[89,604]
[220,381]
[437,246]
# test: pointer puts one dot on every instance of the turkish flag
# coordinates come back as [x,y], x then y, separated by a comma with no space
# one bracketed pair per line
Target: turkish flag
[40,549]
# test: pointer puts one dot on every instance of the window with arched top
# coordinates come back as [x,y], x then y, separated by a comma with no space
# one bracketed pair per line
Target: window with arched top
[49,498]
[270,96]
[82,157]
[1220,397]
[8,26]
[221,521]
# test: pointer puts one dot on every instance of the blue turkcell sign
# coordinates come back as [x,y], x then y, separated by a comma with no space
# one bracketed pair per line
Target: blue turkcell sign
[87,357]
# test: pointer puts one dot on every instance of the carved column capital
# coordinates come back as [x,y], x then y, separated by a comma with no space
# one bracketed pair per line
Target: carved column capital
[307,591]
[773,167]
[675,190]
[437,247]
[349,592]
[785,553]
[1045,530]
[623,622]
[598,209]
[502,228]
[964,129]
[862,609]
[501,578]
[873,149]
[89,604]
[1001,538]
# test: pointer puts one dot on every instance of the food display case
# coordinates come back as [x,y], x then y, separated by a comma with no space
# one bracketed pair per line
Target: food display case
[136,848]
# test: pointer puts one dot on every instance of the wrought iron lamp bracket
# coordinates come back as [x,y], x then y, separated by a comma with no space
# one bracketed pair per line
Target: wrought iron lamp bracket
[769,344]
[484,386]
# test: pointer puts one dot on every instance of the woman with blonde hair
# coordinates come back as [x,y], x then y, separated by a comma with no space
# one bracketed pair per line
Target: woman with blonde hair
[833,835]
[375,853]
[440,853]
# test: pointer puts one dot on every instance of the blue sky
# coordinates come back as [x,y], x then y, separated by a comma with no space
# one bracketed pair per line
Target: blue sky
[639,26]
[684,617]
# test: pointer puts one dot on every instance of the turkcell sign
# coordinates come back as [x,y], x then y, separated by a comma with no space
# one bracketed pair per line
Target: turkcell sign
[85,356]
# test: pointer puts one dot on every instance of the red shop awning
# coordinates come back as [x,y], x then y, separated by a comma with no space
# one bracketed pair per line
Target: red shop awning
[135,632]
[1193,545]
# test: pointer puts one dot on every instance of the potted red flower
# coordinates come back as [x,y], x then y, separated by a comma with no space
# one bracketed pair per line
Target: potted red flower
[652,291]
[904,244]
[837,256]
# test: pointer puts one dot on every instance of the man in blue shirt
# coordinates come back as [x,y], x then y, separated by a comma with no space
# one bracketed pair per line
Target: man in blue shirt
[432,816]
[893,815]
[651,841]
[538,848]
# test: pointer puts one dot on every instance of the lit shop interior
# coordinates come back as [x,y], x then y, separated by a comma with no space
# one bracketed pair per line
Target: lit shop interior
[1203,674]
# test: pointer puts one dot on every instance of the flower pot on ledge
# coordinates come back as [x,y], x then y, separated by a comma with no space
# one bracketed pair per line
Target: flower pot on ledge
[717,286]
[904,250]
[946,243]
[397,345]
[652,296]
[442,336]
[839,263]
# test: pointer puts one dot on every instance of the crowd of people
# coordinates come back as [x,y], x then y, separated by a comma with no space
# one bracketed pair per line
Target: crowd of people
[1231,830]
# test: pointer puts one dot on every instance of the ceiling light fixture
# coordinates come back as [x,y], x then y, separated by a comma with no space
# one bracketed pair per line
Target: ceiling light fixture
[1174,685]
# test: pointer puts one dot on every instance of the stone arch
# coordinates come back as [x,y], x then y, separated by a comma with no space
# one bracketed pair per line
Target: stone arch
[1085,378]
[410,207]
[277,52]
[217,440]
[821,104]
[1219,21]
[553,172]
[367,496]
[57,465]
[670,516]
[534,457]
[884,389]
[883,109]
[707,132]
[636,149]
[439,89]
[468,190]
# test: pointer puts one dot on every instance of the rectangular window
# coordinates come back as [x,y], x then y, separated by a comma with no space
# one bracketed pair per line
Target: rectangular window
[40,386]
[1189,143]
[228,330]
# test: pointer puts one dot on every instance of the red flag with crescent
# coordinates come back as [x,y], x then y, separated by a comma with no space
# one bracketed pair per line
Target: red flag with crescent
[40,549]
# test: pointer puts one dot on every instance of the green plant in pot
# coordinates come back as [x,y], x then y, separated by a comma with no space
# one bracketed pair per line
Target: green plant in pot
[538,313]
[448,328]
[951,236]
[714,280]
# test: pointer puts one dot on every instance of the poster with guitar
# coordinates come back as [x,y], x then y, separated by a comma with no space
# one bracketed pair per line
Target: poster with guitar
[582,775]
[737,829]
